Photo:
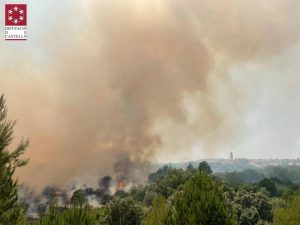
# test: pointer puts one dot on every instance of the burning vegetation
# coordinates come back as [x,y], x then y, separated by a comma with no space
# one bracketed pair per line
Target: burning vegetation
[148,80]
[37,204]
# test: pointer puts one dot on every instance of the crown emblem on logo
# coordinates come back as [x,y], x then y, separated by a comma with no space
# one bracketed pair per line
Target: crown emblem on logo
[15,15]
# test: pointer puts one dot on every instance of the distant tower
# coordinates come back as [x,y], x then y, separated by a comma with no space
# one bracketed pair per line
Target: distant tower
[231,156]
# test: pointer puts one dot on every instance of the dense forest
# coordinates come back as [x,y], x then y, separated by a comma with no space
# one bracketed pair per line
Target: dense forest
[171,196]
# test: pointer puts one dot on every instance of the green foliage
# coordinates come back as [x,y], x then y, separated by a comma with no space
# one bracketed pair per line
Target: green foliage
[82,215]
[138,193]
[280,175]
[250,176]
[278,203]
[249,216]
[269,185]
[159,174]
[247,176]
[191,168]
[279,172]
[121,194]
[252,206]
[13,216]
[78,198]
[9,162]
[171,182]
[52,217]
[124,212]
[192,198]
[158,213]
[200,202]
[289,215]
[76,215]
[149,197]
[233,178]
[204,167]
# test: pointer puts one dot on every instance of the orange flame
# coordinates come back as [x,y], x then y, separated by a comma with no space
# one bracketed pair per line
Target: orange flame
[122,184]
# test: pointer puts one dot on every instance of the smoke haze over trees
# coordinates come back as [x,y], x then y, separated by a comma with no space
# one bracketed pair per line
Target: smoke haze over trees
[145,80]
[193,196]
[122,99]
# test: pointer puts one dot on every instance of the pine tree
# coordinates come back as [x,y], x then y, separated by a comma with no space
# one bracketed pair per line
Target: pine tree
[201,202]
[204,167]
[9,162]
[77,198]
[158,212]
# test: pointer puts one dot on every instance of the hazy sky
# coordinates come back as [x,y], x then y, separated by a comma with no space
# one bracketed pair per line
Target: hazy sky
[103,85]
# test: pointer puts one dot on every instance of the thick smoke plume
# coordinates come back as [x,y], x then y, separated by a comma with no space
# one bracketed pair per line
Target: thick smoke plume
[117,81]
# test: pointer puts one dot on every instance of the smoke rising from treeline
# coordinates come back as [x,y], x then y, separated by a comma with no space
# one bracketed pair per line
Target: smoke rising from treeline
[115,79]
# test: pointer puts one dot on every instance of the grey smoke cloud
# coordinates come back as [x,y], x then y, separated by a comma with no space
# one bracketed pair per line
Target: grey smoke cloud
[120,82]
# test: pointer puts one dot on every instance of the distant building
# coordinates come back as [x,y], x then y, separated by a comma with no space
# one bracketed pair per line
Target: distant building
[231,156]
